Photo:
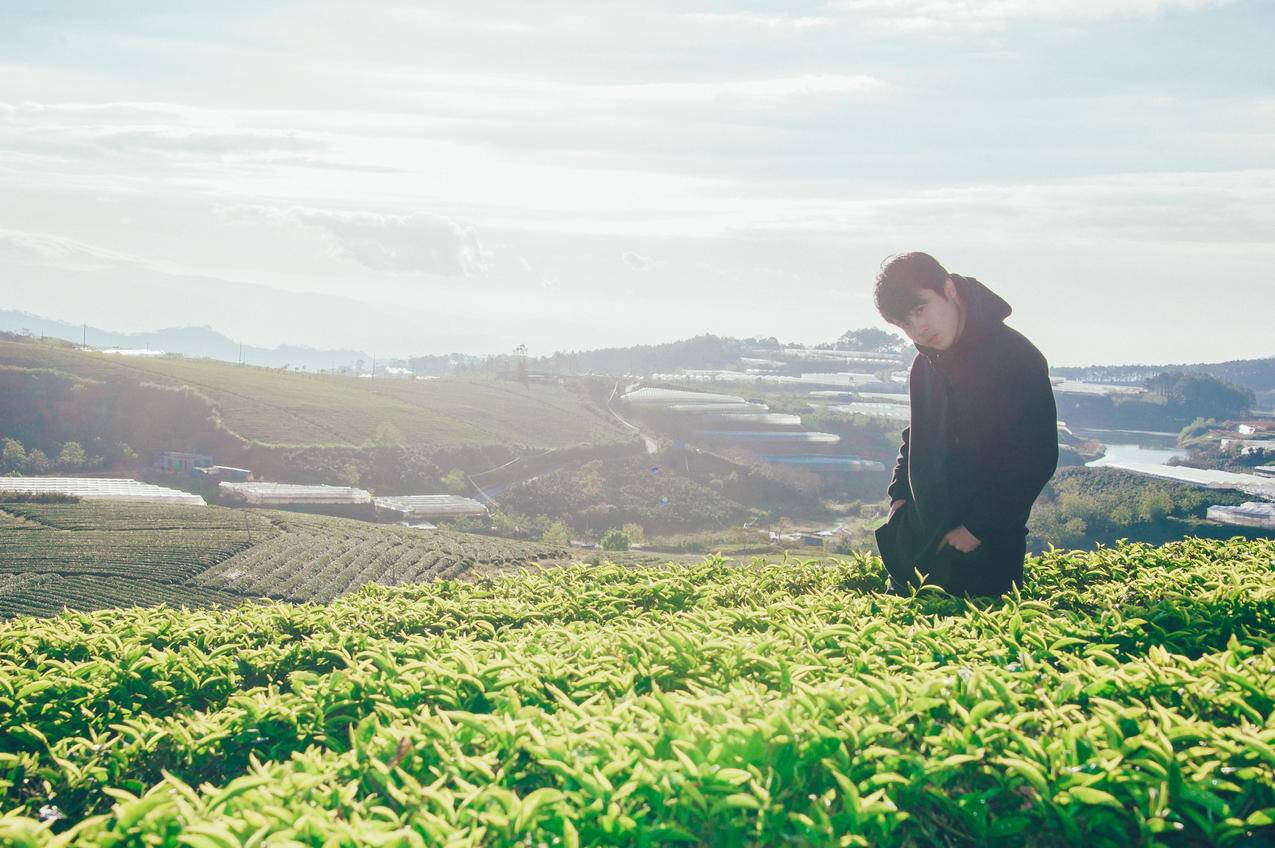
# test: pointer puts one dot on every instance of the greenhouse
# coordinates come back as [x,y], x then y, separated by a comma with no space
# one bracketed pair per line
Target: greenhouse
[649,395]
[293,493]
[1249,514]
[778,419]
[413,507]
[100,489]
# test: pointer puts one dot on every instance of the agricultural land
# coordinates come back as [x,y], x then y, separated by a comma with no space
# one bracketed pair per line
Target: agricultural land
[95,555]
[1126,697]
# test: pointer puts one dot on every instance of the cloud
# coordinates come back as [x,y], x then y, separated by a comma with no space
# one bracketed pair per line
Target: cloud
[420,242]
[963,15]
[638,262]
[1178,208]
[60,251]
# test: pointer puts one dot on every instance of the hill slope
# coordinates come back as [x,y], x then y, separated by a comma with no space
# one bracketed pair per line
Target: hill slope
[288,408]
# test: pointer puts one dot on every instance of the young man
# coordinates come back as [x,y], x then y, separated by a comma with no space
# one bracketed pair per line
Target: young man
[982,441]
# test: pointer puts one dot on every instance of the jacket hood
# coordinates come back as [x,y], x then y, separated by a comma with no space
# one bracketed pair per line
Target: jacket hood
[984,309]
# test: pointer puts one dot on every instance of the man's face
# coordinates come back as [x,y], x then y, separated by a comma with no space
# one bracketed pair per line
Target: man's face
[936,321]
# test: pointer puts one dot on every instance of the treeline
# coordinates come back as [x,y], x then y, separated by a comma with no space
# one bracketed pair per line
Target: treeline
[1172,401]
[1255,374]
[111,421]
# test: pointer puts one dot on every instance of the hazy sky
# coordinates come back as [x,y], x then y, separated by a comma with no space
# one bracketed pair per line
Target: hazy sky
[575,175]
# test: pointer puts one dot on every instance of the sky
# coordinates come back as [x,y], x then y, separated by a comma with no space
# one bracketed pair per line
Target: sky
[437,177]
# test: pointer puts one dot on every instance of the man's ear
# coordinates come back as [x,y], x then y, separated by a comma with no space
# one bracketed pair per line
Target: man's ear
[949,288]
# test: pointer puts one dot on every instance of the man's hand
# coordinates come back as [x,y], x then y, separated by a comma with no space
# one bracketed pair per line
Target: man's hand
[959,538]
[895,507]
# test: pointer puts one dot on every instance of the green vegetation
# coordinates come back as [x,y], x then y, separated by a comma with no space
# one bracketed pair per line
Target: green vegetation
[607,493]
[94,555]
[615,539]
[1082,507]
[1124,699]
[273,407]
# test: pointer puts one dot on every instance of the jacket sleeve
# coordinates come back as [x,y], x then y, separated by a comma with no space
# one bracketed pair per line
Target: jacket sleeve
[899,489]
[1024,451]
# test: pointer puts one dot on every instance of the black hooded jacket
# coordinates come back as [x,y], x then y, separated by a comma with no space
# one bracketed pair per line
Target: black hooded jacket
[983,437]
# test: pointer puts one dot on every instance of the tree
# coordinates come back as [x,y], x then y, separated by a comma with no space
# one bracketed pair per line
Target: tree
[454,482]
[635,532]
[348,475]
[1154,504]
[557,534]
[72,456]
[37,462]
[14,456]
[871,339]
[615,540]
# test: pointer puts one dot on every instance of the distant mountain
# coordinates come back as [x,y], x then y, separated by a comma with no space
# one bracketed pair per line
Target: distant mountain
[189,341]
[1255,374]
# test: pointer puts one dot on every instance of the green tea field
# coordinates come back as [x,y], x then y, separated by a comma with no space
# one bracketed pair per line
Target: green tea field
[1125,698]
[94,555]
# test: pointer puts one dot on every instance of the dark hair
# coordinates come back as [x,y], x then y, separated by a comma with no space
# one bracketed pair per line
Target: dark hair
[900,281]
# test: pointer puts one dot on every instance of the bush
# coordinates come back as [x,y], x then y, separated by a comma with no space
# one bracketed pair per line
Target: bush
[615,540]
[557,534]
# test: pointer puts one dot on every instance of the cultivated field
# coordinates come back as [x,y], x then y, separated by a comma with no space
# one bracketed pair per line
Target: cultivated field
[286,407]
[97,555]
[1128,698]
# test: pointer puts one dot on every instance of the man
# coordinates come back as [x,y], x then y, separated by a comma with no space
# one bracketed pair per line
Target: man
[982,441]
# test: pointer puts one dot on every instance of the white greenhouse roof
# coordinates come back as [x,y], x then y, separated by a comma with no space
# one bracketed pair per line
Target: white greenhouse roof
[717,407]
[100,489]
[268,493]
[781,419]
[648,394]
[1253,484]
[431,505]
[873,409]
[1251,514]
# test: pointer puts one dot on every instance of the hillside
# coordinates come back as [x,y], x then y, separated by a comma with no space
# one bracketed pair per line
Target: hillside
[94,555]
[1125,699]
[275,407]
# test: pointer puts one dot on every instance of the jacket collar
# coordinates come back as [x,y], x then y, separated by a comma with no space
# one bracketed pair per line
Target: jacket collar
[984,310]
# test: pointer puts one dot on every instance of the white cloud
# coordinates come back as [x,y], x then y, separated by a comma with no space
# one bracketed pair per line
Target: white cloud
[638,262]
[963,15]
[419,242]
[59,251]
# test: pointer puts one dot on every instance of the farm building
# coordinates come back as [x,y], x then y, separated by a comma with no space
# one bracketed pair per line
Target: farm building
[1248,446]
[100,489]
[271,494]
[175,462]
[417,507]
[1249,514]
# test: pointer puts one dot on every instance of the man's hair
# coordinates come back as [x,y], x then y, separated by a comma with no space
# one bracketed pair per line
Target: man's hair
[900,281]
